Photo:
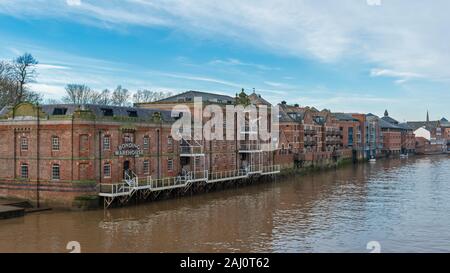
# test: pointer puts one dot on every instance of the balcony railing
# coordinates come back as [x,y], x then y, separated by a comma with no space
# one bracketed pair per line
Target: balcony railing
[310,142]
[271,169]
[226,175]
[249,147]
[310,132]
[191,148]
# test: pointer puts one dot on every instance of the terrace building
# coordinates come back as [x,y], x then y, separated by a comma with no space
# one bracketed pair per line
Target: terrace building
[352,134]
[373,137]
[57,153]
[392,135]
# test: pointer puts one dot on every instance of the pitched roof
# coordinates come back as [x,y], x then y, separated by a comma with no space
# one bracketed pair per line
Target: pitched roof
[294,112]
[405,126]
[343,117]
[387,125]
[206,97]
[429,125]
[100,110]
[390,120]
[256,99]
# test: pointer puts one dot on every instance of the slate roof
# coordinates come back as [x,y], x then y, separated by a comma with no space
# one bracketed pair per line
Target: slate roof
[405,126]
[206,97]
[258,100]
[344,117]
[295,113]
[387,125]
[390,120]
[430,125]
[99,111]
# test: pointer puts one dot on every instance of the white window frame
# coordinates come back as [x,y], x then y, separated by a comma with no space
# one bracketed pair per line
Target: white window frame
[146,145]
[106,143]
[170,165]
[24,143]
[55,143]
[107,174]
[22,166]
[53,171]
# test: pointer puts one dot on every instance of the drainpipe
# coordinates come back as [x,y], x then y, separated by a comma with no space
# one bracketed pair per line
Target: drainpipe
[37,158]
[158,136]
[100,157]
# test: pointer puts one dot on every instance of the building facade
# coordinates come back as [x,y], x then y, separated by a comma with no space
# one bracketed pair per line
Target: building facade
[60,152]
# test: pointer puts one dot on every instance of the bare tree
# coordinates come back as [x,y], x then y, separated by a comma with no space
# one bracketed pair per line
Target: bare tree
[14,76]
[79,94]
[25,72]
[104,97]
[145,95]
[120,96]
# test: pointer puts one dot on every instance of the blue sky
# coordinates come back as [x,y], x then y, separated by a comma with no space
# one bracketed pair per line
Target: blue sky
[341,55]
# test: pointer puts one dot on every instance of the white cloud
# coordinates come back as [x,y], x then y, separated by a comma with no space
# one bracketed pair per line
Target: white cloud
[402,35]
[73,2]
[236,62]
[402,76]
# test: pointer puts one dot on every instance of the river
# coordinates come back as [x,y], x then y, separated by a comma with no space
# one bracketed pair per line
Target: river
[403,204]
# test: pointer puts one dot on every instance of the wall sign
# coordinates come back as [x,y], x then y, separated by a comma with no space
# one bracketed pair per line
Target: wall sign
[129,149]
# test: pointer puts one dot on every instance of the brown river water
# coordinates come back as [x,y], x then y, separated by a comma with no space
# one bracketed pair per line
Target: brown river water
[404,204]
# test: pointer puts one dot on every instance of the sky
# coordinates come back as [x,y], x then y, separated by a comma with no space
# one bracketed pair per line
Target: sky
[347,55]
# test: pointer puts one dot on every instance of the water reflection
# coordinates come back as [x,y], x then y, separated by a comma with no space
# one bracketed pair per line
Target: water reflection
[403,204]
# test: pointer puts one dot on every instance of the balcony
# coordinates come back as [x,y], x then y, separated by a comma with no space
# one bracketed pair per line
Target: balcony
[310,142]
[191,148]
[249,130]
[245,147]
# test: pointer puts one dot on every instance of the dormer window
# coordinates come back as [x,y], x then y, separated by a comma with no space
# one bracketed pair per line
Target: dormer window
[132,114]
[59,111]
[107,112]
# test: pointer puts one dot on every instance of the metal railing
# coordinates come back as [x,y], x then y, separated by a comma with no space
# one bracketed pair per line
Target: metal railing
[253,169]
[191,150]
[226,175]
[271,169]
[132,183]
[191,147]
[115,189]
[249,147]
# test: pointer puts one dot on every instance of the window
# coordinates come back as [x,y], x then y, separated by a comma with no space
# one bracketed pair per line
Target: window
[127,138]
[55,143]
[24,143]
[107,170]
[146,166]
[170,165]
[59,111]
[107,112]
[24,170]
[146,142]
[56,172]
[107,143]
[132,114]
[169,140]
